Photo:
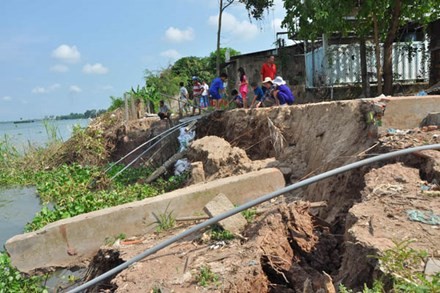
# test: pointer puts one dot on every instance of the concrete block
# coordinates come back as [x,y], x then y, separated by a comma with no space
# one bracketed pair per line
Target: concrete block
[408,112]
[432,266]
[69,242]
[431,119]
[221,204]
[197,172]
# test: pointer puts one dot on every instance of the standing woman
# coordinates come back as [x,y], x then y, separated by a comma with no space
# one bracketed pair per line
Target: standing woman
[243,88]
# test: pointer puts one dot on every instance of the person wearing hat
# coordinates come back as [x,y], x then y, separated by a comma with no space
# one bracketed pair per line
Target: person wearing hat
[197,94]
[268,86]
[282,92]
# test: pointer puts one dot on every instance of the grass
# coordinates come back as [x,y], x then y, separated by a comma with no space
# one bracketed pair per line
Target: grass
[402,265]
[249,214]
[219,234]
[206,277]
[165,220]
[112,240]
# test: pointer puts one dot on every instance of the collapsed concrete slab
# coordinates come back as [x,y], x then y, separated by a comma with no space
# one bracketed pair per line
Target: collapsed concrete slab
[409,112]
[221,204]
[70,241]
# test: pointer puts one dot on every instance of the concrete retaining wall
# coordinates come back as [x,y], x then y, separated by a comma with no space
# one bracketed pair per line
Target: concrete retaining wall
[408,112]
[70,241]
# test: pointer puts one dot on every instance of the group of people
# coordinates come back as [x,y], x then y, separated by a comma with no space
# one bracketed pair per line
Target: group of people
[273,92]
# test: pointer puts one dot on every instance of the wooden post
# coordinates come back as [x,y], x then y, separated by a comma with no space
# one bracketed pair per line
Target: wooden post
[126,96]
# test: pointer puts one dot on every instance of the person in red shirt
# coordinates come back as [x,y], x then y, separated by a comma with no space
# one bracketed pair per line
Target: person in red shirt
[197,94]
[269,69]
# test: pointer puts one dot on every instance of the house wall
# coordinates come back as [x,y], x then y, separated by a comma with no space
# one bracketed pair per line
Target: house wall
[290,65]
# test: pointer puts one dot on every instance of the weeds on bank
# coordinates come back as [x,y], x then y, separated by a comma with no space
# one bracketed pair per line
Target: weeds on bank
[206,277]
[69,189]
[249,214]
[112,240]
[404,266]
[217,233]
[165,220]
[11,280]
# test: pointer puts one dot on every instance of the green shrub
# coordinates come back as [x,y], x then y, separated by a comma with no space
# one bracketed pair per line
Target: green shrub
[12,281]
[206,277]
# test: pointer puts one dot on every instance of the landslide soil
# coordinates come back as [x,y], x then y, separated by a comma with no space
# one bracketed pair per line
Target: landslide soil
[289,247]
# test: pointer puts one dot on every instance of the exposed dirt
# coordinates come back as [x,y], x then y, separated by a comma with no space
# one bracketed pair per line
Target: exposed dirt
[118,138]
[291,248]
[221,160]
[282,251]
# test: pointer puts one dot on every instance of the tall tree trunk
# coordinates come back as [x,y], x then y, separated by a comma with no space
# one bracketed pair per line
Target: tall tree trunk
[377,52]
[364,72]
[219,29]
[388,47]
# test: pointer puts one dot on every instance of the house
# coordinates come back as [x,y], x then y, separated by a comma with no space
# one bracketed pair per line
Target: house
[289,61]
[331,69]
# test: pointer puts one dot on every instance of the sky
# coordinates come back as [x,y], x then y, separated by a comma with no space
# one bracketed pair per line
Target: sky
[68,56]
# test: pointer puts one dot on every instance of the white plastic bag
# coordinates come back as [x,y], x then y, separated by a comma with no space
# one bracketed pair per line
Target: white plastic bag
[181,166]
[185,138]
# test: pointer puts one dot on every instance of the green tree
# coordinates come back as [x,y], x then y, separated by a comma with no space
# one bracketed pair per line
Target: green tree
[308,19]
[117,102]
[255,9]
[187,67]
[163,85]
[212,59]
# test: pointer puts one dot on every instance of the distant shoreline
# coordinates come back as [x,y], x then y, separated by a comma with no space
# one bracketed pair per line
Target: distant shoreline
[37,120]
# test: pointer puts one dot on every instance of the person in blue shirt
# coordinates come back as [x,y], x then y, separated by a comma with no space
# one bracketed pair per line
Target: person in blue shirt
[217,89]
[282,92]
[237,99]
[258,95]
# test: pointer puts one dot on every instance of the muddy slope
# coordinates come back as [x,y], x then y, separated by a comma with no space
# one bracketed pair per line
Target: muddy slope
[314,138]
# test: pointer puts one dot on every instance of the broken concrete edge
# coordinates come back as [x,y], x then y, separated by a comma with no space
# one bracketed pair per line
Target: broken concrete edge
[221,204]
[407,112]
[70,242]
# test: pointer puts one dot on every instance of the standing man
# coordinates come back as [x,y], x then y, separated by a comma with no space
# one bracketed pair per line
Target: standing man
[183,100]
[269,69]
[197,94]
[204,101]
[217,89]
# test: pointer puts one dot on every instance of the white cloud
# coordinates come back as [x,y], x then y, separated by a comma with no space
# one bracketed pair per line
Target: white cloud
[244,30]
[59,68]
[6,98]
[45,90]
[96,68]
[67,54]
[172,54]
[176,35]
[75,89]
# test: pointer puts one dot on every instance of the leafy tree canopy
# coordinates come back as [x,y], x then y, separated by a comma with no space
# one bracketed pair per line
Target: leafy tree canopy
[256,8]
[212,57]
[187,67]
[309,19]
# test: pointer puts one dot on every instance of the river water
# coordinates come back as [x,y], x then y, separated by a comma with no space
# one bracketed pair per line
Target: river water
[19,205]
